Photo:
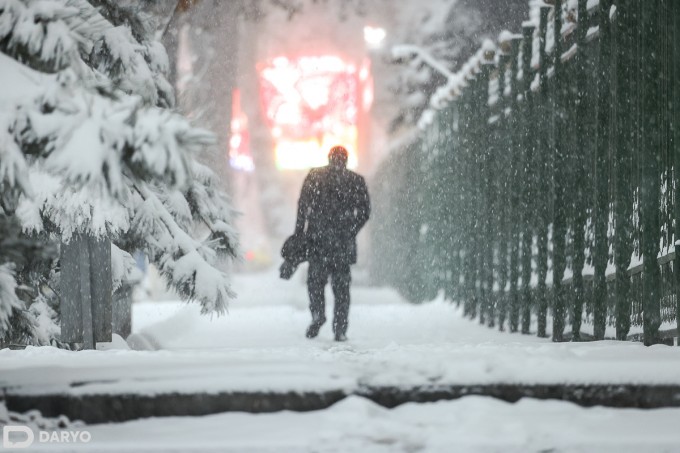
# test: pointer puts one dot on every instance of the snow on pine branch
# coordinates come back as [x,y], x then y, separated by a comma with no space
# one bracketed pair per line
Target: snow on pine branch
[89,139]
[210,204]
[92,150]
[141,40]
[188,264]
[64,209]
[13,170]
[36,34]
[121,58]
[50,35]
[8,297]
[162,140]
[90,192]
[127,53]
[123,267]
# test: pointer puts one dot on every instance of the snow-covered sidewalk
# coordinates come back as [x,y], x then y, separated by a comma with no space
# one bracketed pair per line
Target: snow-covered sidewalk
[470,424]
[260,345]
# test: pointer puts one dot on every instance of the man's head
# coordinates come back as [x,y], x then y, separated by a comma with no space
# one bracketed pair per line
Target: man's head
[337,157]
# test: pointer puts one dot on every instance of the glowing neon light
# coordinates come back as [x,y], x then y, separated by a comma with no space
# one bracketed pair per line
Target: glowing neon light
[312,104]
[239,143]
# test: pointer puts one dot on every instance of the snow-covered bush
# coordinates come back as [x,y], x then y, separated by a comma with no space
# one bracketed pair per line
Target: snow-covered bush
[88,145]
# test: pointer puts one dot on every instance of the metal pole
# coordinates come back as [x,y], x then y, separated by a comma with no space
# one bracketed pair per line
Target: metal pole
[650,193]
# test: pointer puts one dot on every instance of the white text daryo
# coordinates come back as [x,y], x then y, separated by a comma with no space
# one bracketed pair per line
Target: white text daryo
[17,436]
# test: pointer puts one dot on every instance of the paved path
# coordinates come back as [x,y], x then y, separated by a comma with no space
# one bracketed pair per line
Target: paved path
[259,348]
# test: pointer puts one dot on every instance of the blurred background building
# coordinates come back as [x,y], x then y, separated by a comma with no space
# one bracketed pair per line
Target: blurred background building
[280,81]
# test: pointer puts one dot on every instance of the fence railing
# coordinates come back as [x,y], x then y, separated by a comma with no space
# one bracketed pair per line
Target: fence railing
[545,176]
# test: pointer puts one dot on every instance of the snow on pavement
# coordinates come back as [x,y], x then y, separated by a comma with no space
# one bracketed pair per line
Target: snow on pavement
[260,345]
[470,424]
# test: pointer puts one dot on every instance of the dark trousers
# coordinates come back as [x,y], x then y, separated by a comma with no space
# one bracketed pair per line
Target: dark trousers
[317,278]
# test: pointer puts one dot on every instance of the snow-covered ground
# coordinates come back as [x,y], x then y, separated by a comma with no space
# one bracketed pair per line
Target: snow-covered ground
[260,345]
[471,424]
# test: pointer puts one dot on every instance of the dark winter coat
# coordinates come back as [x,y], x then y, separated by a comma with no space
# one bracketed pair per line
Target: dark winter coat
[333,207]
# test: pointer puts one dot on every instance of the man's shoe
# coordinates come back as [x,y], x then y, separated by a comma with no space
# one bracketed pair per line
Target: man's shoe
[340,337]
[314,327]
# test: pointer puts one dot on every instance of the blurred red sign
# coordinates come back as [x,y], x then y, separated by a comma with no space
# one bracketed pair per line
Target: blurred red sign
[311,104]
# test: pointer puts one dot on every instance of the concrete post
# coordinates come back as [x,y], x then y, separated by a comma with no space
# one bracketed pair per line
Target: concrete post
[86,291]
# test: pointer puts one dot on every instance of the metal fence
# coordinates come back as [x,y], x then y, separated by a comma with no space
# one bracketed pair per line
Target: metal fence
[539,186]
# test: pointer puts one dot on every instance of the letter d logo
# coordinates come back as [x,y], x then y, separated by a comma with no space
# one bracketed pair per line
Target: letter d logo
[6,443]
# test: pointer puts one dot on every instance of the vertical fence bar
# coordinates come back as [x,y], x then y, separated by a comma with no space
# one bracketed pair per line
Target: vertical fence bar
[623,203]
[494,177]
[487,218]
[528,144]
[601,206]
[665,109]
[650,196]
[583,144]
[478,123]
[542,175]
[515,186]
[456,219]
[448,204]
[505,183]
[675,127]
[560,166]
[468,201]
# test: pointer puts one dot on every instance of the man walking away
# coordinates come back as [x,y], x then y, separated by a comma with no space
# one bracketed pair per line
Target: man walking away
[333,207]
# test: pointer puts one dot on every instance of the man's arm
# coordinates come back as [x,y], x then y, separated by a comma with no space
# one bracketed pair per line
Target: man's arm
[363,208]
[303,204]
